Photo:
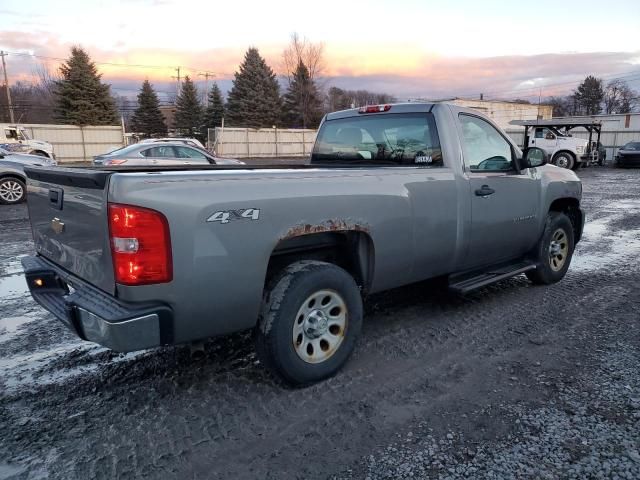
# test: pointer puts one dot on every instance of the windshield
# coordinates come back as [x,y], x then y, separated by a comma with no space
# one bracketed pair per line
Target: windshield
[390,139]
[22,134]
[632,146]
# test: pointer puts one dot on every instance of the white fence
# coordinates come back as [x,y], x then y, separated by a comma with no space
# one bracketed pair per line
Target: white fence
[77,144]
[263,142]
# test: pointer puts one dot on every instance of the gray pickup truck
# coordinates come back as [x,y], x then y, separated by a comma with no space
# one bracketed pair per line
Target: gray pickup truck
[140,257]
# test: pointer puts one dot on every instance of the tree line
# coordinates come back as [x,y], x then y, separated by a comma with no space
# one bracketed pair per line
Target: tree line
[593,96]
[79,97]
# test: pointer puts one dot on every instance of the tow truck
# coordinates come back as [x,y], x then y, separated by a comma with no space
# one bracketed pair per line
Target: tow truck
[554,137]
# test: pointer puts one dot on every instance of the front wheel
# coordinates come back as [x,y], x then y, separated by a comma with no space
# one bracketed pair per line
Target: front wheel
[554,252]
[563,160]
[309,322]
[12,190]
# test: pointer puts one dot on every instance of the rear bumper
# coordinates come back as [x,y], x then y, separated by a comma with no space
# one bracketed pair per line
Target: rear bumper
[94,315]
[628,161]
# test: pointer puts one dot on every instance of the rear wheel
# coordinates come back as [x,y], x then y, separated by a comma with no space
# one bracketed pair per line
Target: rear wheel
[12,190]
[563,160]
[310,320]
[555,250]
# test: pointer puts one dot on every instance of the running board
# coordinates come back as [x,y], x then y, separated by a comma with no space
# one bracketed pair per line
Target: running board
[484,278]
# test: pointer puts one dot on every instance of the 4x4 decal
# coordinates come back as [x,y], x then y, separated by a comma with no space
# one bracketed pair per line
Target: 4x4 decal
[225,216]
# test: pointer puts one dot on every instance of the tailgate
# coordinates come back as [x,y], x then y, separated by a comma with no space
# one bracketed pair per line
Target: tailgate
[68,212]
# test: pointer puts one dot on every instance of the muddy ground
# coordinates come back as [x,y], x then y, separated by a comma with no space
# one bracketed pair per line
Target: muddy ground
[513,381]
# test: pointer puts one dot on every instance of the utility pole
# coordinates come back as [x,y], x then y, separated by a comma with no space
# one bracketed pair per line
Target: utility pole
[206,76]
[177,77]
[6,85]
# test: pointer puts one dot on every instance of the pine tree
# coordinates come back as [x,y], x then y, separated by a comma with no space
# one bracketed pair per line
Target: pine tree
[215,110]
[81,98]
[589,95]
[254,101]
[302,104]
[188,117]
[148,119]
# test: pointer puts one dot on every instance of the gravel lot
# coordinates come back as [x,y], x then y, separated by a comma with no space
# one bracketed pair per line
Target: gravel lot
[513,381]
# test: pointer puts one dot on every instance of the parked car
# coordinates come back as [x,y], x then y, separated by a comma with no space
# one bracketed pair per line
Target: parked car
[16,138]
[12,176]
[193,142]
[629,155]
[393,194]
[152,153]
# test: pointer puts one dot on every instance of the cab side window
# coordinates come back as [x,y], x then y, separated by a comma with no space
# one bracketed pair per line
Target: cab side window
[485,149]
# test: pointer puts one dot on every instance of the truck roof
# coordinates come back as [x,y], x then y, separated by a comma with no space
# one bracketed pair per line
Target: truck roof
[555,123]
[409,107]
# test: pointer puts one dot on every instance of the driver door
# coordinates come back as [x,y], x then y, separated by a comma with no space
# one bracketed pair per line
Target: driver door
[543,138]
[504,202]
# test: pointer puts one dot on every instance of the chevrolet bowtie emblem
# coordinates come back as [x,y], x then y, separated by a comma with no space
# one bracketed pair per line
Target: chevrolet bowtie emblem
[57,225]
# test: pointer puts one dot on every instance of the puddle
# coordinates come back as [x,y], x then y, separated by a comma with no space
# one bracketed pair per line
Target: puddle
[10,327]
[30,369]
[12,286]
[13,266]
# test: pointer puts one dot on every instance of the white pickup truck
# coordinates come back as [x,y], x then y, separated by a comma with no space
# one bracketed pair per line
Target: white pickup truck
[17,139]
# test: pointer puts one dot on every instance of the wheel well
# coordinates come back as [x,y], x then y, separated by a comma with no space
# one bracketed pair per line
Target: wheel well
[13,175]
[40,152]
[351,250]
[571,208]
[565,151]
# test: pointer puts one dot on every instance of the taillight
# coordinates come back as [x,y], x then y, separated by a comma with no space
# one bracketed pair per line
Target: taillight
[374,109]
[115,162]
[140,245]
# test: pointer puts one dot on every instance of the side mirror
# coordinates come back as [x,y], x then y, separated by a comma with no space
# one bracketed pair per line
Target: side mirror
[534,157]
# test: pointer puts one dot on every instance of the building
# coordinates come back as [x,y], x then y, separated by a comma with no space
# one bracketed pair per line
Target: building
[503,112]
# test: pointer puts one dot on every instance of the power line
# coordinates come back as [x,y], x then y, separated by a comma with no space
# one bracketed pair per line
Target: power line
[114,64]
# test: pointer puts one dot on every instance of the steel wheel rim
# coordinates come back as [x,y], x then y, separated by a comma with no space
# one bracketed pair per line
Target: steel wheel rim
[558,250]
[11,191]
[562,161]
[319,326]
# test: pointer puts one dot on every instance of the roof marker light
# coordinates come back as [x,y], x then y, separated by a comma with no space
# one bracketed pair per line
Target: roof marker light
[374,109]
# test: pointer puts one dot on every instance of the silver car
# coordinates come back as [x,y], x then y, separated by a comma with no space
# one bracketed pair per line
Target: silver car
[12,177]
[174,153]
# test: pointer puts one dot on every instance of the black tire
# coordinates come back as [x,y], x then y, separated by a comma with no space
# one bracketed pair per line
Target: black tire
[564,160]
[547,271]
[12,191]
[284,298]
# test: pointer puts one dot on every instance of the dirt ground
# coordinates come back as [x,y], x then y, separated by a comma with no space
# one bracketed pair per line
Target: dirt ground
[512,381]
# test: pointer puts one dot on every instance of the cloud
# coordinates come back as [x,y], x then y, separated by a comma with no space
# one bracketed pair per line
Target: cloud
[401,70]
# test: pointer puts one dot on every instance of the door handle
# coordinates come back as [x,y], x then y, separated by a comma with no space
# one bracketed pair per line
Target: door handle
[485,191]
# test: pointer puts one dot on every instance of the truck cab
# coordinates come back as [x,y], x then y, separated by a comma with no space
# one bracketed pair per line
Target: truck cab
[15,138]
[559,146]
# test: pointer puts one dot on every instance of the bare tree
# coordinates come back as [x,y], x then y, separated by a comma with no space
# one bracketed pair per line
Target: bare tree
[618,97]
[302,50]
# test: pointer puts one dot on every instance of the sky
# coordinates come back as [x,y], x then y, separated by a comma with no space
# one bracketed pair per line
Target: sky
[409,48]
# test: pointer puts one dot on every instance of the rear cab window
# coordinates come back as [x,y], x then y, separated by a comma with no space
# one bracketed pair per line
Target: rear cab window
[409,139]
